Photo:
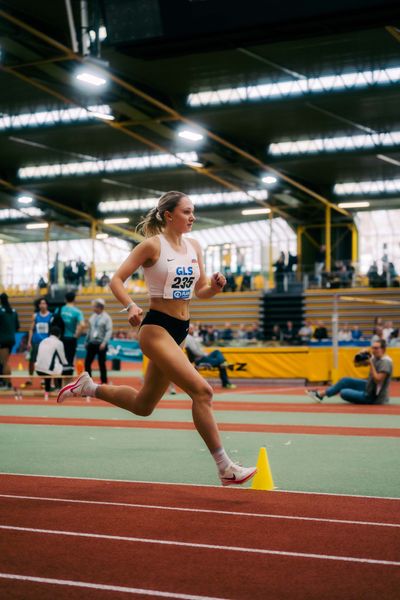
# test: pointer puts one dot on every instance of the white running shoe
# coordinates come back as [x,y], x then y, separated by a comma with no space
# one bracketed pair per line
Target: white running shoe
[76,389]
[236,475]
[315,395]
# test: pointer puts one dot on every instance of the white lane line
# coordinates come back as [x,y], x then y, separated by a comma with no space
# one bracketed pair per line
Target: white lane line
[201,510]
[123,538]
[101,586]
[201,485]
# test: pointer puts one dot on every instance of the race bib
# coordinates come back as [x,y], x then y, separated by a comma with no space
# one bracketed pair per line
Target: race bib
[42,328]
[181,280]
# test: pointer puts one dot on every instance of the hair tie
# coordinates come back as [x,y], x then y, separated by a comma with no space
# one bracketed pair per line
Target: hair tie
[158,215]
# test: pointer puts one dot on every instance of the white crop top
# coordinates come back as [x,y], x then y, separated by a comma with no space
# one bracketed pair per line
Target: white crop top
[174,275]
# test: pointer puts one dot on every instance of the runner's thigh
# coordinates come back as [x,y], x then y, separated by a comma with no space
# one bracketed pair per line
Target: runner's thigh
[162,350]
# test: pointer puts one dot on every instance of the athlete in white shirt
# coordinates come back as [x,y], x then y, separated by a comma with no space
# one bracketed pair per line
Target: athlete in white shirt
[51,358]
[173,268]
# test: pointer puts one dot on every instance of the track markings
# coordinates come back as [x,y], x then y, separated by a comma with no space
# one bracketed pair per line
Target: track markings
[101,586]
[262,551]
[201,510]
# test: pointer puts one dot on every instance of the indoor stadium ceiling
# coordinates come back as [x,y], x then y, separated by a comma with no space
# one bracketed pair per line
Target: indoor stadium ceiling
[326,84]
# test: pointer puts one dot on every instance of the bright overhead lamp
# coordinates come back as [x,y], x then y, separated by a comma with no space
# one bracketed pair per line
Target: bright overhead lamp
[111,165]
[343,143]
[47,118]
[256,211]
[190,135]
[36,225]
[334,82]
[353,188]
[90,77]
[269,179]
[194,163]
[101,236]
[25,199]
[20,213]
[103,116]
[353,204]
[92,72]
[116,220]
[207,199]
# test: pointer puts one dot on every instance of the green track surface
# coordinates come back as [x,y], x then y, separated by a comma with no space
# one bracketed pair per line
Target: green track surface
[363,466]
[317,463]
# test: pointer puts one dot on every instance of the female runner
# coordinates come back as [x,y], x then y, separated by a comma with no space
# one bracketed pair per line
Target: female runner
[173,270]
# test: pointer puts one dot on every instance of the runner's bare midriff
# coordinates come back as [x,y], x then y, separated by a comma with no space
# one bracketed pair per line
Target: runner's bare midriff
[174,308]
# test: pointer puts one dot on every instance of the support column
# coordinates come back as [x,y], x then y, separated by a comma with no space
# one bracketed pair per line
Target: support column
[47,240]
[299,239]
[328,243]
[354,243]
[270,255]
[93,230]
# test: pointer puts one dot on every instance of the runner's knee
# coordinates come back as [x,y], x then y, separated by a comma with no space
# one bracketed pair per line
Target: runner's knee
[203,394]
[144,411]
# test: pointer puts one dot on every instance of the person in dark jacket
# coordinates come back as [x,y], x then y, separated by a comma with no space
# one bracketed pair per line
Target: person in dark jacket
[9,325]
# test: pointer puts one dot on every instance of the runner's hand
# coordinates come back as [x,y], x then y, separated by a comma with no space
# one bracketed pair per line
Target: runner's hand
[135,315]
[218,282]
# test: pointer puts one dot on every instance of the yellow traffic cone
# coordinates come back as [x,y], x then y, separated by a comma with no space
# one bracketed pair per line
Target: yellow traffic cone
[263,478]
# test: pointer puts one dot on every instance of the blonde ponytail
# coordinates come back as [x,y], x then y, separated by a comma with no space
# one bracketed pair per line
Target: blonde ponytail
[154,222]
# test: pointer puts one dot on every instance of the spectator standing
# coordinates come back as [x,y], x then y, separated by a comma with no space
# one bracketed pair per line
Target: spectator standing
[246,282]
[280,272]
[197,355]
[39,330]
[81,272]
[98,335]
[104,280]
[74,324]
[230,282]
[9,325]
[394,341]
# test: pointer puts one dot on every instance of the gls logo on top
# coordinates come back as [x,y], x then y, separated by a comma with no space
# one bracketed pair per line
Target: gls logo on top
[184,271]
[181,294]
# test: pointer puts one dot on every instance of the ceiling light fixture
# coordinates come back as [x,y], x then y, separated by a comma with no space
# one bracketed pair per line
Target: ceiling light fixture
[116,221]
[208,199]
[25,199]
[129,163]
[92,72]
[36,225]
[269,179]
[191,136]
[256,211]
[353,204]
[353,188]
[101,236]
[47,118]
[300,87]
[342,143]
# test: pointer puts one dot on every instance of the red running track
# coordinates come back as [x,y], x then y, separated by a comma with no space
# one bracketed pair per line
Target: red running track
[188,425]
[236,544]
[235,405]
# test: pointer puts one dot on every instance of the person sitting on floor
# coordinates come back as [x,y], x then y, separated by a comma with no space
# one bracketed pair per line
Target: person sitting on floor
[374,390]
[214,359]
